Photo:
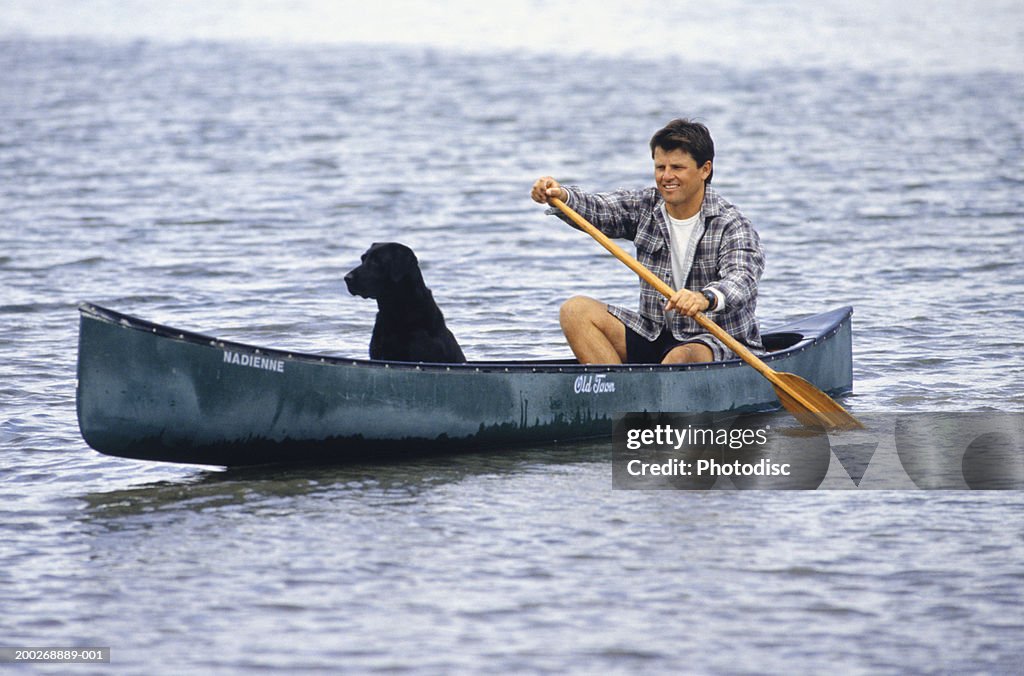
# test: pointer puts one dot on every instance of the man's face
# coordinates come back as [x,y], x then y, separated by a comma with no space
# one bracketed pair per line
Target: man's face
[680,181]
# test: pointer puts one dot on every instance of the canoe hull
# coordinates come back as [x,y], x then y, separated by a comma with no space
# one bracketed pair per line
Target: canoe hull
[152,392]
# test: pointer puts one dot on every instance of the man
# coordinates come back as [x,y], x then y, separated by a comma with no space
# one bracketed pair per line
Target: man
[687,235]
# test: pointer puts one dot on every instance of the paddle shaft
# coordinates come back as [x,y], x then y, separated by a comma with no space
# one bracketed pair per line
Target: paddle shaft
[714,329]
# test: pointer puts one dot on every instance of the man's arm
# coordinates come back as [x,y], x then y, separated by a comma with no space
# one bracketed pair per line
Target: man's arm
[740,264]
[615,214]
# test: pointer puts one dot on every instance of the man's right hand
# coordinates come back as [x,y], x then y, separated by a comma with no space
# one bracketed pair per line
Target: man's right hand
[546,188]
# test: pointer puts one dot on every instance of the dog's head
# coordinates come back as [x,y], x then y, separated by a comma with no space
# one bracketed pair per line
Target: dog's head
[385,265]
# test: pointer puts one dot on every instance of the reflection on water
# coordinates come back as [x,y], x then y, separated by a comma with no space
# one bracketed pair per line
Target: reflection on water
[399,479]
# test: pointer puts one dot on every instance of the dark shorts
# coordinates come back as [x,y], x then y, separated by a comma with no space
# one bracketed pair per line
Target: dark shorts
[639,350]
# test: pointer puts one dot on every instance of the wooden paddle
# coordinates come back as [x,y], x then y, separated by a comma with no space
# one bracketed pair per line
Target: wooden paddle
[810,405]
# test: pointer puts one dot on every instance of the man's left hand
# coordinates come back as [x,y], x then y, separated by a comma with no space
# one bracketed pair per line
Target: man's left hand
[687,303]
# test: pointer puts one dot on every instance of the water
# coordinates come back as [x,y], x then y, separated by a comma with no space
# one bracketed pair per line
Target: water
[179,164]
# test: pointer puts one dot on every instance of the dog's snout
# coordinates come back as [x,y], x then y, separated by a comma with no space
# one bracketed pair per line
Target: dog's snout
[352,283]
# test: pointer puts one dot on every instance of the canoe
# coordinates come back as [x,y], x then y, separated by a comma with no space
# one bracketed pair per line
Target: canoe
[153,392]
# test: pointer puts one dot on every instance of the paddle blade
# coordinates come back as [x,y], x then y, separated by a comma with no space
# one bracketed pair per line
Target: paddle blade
[811,406]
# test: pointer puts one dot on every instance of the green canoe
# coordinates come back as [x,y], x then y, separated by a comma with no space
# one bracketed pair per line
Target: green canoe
[154,392]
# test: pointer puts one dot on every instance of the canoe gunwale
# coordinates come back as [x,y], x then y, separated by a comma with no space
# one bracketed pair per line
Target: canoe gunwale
[811,337]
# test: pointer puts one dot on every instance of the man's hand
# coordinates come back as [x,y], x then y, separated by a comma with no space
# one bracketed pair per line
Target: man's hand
[687,303]
[545,188]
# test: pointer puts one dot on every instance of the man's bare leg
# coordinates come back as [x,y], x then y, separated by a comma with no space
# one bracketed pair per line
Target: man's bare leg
[595,336]
[689,353]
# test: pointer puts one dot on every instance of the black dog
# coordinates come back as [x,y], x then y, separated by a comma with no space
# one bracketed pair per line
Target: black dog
[410,326]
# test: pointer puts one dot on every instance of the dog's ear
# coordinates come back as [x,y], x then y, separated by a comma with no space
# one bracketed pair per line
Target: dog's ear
[403,262]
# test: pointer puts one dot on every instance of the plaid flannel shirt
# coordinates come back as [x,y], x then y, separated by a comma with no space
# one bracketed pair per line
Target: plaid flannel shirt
[728,257]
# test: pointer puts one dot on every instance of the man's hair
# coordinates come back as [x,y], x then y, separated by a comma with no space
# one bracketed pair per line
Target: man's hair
[688,136]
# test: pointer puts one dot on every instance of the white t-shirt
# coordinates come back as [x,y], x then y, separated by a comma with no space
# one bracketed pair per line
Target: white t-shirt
[684,245]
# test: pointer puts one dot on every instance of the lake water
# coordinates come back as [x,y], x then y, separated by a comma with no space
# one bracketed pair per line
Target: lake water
[220,170]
